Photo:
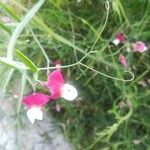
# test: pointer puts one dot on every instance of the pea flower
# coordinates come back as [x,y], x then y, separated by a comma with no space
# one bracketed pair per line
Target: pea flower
[34,104]
[139,47]
[119,38]
[58,88]
[122,60]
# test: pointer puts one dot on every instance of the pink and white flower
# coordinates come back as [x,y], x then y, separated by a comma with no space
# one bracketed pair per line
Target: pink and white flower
[119,38]
[59,88]
[122,60]
[139,47]
[34,104]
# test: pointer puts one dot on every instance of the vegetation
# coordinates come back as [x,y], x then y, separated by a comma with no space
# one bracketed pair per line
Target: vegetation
[112,110]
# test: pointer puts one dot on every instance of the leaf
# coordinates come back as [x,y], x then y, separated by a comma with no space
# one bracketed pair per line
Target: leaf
[6,79]
[5,28]
[9,11]
[21,26]
[11,63]
[26,61]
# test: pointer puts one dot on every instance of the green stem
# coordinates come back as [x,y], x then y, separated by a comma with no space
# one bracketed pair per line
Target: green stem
[42,49]
[132,78]
[22,89]
[11,63]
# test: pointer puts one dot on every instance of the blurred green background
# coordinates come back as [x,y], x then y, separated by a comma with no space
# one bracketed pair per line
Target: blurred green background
[109,113]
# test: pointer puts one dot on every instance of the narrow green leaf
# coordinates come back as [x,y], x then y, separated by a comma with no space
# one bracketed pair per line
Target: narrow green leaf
[26,61]
[21,26]
[9,11]
[5,28]
[8,78]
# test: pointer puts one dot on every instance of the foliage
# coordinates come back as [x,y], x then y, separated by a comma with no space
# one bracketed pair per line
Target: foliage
[112,110]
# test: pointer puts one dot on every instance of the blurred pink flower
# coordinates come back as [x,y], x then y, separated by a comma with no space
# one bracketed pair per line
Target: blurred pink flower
[55,83]
[57,87]
[35,100]
[139,47]
[119,38]
[34,103]
[122,60]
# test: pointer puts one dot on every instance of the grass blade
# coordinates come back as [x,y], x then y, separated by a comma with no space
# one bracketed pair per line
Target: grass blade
[9,11]
[22,89]
[26,61]
[9,76]
[2,26]
[21,26]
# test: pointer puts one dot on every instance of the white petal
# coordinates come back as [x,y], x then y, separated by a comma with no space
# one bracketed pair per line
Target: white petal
[69,92]
[39,115]
[145,48]
[116,41]
[34,113]
[30,116]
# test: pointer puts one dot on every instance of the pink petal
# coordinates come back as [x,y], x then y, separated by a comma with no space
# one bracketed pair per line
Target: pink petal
[120,37]
[35,100]
[139,47]
[55,82]
[122,60]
